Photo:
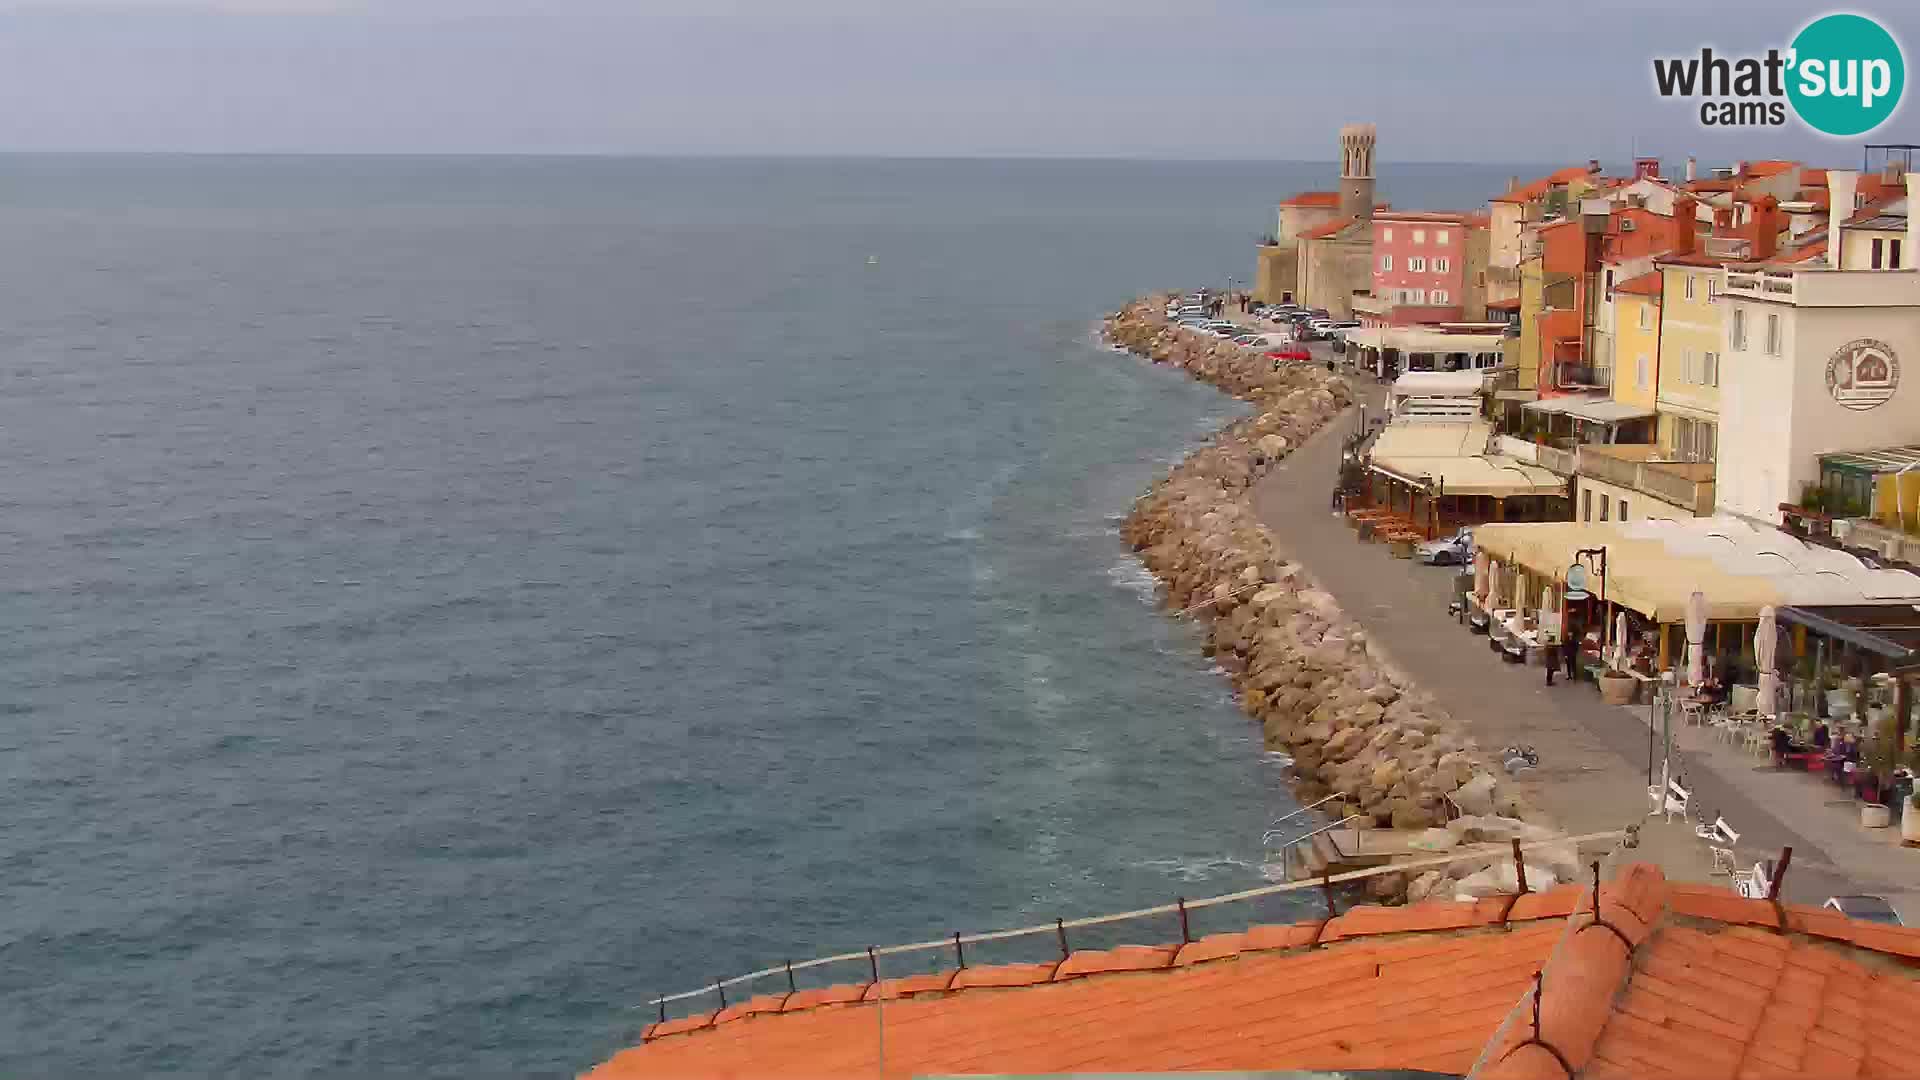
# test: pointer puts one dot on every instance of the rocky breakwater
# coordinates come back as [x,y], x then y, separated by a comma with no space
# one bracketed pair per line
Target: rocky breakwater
[1320,689]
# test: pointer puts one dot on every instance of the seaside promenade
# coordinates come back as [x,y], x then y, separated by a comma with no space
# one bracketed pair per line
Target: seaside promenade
[1594,756]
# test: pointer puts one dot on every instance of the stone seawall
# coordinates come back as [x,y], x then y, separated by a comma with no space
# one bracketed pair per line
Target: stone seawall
[1320,689]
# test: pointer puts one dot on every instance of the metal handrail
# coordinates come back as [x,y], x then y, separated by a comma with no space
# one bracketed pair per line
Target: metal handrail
[1059,926]
[1287,847]
[1275,823]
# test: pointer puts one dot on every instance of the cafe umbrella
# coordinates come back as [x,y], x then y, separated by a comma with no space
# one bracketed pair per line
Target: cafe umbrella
[1765,641]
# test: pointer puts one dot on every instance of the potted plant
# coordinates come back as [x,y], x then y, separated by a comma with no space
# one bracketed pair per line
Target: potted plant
[1616,687]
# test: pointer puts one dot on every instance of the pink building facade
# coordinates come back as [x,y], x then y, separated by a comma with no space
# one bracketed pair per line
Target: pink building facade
[1420,265]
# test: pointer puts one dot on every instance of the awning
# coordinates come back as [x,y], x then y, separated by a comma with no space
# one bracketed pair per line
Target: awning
[1653,565]
[1889,630]
[1369,338]
[1413,339]
[1597,409]
[1450,458]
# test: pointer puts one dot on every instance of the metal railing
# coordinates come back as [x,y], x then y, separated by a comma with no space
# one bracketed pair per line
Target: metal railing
[1287,849]
[1273,827]
[1059,927]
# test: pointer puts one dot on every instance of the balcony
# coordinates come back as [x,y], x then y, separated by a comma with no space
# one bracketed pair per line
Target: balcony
[1726,247]
[1684,484]
[1761,284]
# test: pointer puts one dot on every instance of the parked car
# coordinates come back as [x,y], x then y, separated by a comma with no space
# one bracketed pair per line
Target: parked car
[1866,908]
[1455,550]
[1290,353]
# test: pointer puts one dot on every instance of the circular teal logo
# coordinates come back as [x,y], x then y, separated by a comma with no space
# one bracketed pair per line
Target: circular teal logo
[1847,75]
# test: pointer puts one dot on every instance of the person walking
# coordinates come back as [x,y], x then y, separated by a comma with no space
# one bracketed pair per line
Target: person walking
[1571,647]
[1550,656]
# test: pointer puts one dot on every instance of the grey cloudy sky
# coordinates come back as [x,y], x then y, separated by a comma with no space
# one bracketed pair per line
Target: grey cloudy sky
[1506,80]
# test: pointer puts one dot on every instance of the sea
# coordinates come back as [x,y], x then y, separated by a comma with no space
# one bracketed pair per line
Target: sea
[451,602]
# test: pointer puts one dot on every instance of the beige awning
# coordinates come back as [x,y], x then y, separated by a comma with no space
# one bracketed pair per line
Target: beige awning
[1642,575]
[1450,458]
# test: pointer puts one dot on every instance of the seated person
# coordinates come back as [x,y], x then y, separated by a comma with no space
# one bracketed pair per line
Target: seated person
[1822,738]
[1782,745]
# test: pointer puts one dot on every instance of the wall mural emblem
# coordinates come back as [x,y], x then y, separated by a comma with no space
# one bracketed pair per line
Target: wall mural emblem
[1863,374]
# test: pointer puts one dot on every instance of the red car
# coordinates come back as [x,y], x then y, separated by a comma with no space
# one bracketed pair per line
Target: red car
[1297,353]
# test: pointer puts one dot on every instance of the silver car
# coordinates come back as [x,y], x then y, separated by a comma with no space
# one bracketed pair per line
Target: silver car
[1455,550]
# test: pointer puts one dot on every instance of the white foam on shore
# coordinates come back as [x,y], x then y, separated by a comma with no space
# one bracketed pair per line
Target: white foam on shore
[1132,575]
[1196,869]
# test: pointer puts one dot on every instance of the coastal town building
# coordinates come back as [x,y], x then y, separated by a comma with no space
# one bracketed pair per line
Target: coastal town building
[1420,267]
[1336,259]
[1687,383]
[1815,358]
[1277,268]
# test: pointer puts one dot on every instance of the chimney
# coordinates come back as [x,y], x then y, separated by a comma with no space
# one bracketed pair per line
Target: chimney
[1740,168]
[1688,221]
[1840,186]
[1646,167]
[1766,228]
[1910,251]
[1513,183]
[1593,165]
[1692,166]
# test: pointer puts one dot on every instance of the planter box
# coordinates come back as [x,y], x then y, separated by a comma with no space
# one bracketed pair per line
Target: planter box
[1617,689]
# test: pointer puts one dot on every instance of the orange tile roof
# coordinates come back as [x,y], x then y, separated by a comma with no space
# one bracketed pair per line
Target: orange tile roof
[1670,979]
[1446,217]
[1329,229]
[1647,284]
[1313,198]
[1772,167]
[1802,253]
[1690,259]
[1533,190]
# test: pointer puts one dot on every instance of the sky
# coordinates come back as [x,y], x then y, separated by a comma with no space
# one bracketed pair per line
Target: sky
[1444,80]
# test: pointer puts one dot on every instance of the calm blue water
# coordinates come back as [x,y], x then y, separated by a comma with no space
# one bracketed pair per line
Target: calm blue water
[451,600]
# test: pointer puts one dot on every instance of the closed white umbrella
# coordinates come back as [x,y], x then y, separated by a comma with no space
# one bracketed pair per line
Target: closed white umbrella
[1765,640]
[1480,574]
[1620,642]
[1696,638]
[1546,607]
[1493,583]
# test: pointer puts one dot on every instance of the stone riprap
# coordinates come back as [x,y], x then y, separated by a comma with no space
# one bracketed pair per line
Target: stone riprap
[1320,689]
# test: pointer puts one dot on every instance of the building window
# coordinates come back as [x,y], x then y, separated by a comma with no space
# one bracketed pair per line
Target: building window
[1710,369]
[1417,296]
[1646,318]
[1689,373]
[1877,253]
[1439,296]
[1419,236]
[1623,509]
[1713,290]
[1386,234]
[1440,237]
[1689,286]
[1773,334]
[1739,331]
[1586,506]
[1386,262]
[1893,254]
[1640,370]
[1603,508]
[1440,265]
[1416,264]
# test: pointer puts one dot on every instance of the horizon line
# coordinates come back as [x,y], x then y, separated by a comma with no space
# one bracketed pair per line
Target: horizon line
[726,156]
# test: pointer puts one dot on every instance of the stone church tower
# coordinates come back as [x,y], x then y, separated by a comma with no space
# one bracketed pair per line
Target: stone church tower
[1356,171]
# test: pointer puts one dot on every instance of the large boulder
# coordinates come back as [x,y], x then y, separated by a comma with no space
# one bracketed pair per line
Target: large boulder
[1475,797]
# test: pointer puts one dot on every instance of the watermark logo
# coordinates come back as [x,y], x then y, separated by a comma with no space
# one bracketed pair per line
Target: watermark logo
[1842,75]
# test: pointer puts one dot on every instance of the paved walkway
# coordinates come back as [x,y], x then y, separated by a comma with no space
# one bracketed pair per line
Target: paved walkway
[1594,757]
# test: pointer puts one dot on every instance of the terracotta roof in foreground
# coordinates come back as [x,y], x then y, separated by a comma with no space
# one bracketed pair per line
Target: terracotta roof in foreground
[1681,980]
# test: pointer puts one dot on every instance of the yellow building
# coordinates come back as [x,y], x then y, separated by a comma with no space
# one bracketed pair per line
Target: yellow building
[1690,347]
[1636,341]
[1524,351]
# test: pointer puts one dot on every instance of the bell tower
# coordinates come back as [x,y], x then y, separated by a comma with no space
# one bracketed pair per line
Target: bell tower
[1356,171]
